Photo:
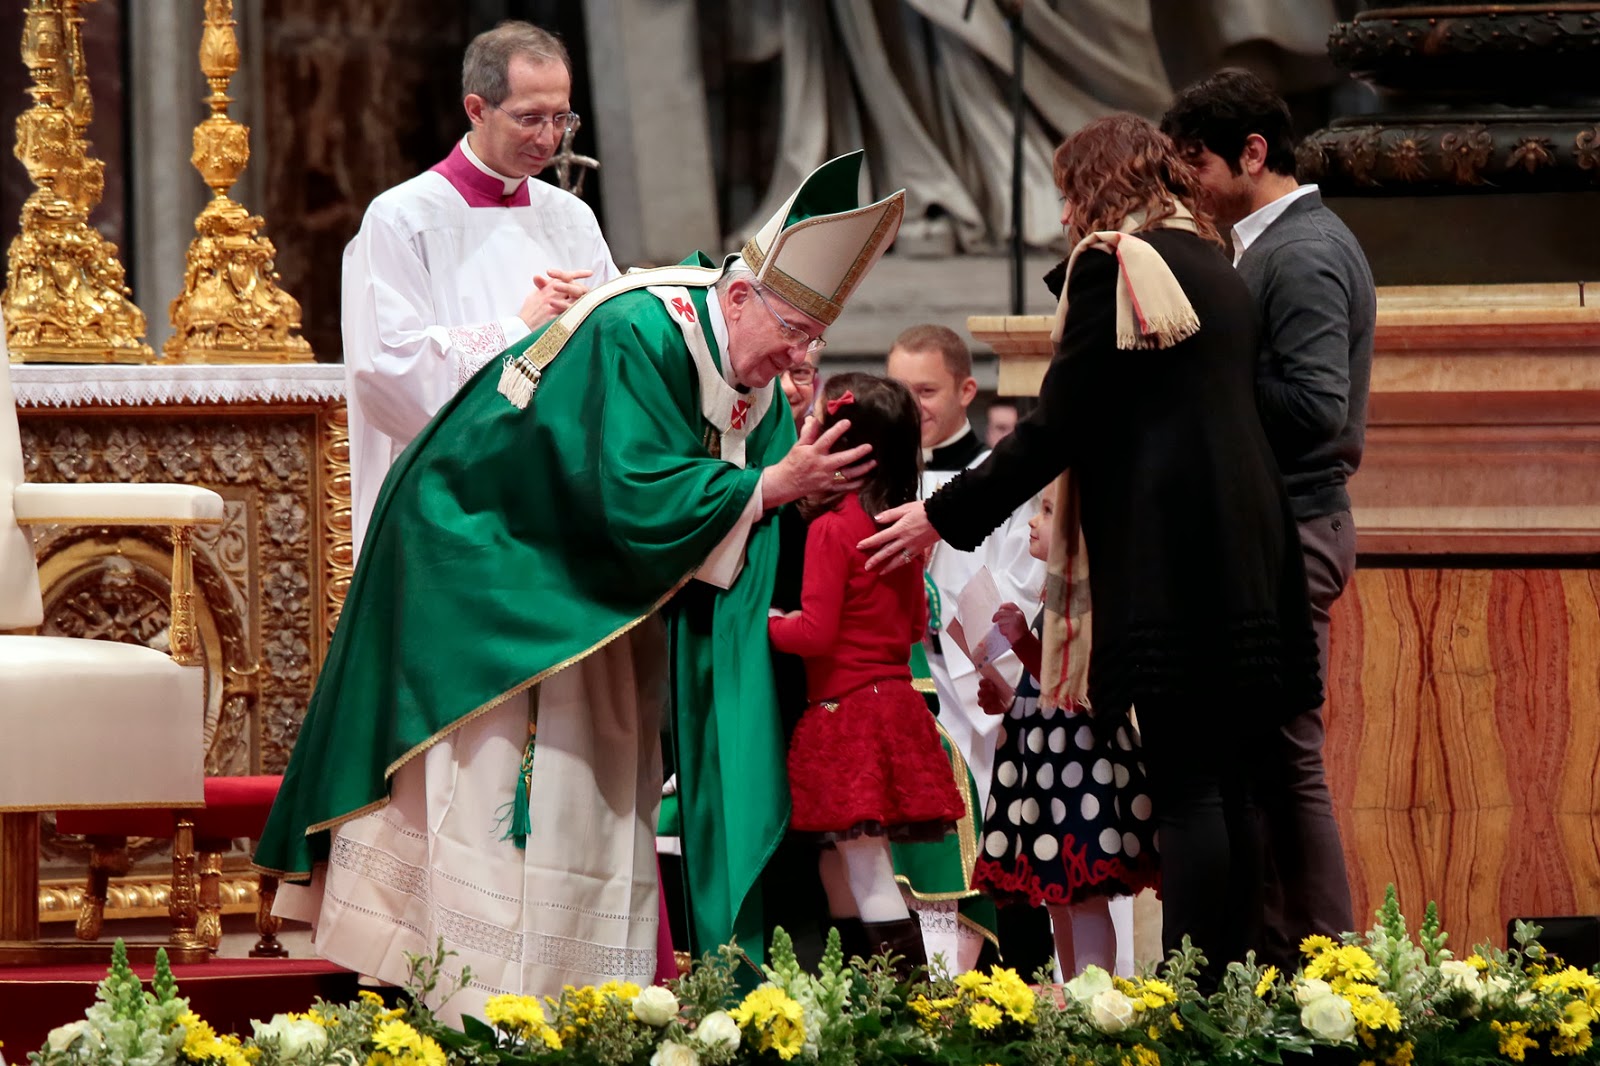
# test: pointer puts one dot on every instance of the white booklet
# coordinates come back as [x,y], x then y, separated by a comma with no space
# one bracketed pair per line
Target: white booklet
[977,604]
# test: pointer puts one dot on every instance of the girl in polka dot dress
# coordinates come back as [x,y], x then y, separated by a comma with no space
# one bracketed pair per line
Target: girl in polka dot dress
[1069,822]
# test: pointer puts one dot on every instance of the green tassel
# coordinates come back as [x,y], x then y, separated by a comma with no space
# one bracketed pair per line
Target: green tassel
[518,830]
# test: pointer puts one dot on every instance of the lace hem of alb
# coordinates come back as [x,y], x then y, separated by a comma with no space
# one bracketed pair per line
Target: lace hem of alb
[146,386]
[512,945]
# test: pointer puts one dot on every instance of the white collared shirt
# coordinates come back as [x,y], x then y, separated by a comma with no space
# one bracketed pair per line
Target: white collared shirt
[511,184]
[1256,222]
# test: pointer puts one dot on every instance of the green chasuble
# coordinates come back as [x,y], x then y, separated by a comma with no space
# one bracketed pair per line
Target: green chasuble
[509,543]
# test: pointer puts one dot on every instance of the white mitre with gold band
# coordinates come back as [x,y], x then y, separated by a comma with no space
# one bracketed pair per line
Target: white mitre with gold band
[812,253]
[818,246]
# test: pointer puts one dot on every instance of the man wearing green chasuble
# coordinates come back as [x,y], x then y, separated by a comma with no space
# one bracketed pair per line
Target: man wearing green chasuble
[582,540]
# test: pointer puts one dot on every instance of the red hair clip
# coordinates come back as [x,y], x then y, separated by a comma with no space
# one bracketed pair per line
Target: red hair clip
[839,401]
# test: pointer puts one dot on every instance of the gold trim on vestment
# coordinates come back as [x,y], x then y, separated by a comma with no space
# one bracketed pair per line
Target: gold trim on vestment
[458,723]
[925,685]
[966,832]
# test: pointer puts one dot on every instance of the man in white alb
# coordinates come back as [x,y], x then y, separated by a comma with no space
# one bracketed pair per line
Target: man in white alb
[458,263]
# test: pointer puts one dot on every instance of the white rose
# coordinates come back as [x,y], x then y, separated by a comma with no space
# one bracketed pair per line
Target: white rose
[1088,984]
[1112,1011]
[1458,974]
[1496,991]
[295,1038]
[62,1036]
[1311,989]
[718,1029]
[655,1006]
[673,1053]
[1329,1018]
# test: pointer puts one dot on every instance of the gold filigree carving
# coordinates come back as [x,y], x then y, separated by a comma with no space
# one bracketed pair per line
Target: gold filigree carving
[231,308]
[66,298]
[141,897]
[336,521]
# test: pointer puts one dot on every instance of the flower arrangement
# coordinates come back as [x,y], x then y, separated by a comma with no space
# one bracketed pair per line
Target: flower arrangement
[1381,998]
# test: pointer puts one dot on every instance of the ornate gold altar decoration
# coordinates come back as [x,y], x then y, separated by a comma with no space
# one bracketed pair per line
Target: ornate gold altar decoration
[231,308]
[66,298]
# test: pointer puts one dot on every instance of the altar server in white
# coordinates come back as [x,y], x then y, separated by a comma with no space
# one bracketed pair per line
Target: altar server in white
[454,265]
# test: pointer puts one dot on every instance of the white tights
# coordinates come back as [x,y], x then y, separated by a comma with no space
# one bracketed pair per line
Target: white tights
[858,877]
[1085,935]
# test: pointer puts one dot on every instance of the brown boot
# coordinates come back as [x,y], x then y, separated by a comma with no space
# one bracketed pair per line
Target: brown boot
[852,938]
[902,937]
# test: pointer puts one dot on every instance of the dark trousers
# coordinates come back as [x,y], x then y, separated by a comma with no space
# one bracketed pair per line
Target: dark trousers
[1308,886]
[1203,758]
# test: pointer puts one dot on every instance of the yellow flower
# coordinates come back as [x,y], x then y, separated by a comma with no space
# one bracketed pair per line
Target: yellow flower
[1376,1013]
[1143,1056]
[367,995]
[430,1053]
[1477,962]
[984,1016]
[1010,993]
[777,1018]
[972,980]
[1263,986]
[198,1036]
[624,990]
[1154,1033]
[1514,1039]
[1403,1054]
[1154,994]
[1316,944]
[1177,1023]
[397,1038]
[1563,1043]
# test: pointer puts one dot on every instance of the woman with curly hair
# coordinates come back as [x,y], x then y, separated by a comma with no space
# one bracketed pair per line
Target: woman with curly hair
[1169,488]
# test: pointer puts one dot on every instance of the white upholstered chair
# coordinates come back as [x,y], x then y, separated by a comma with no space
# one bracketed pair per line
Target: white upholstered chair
[93,723]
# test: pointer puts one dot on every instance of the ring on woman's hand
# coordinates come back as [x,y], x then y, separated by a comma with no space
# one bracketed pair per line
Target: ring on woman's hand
[838,475]
[905,555]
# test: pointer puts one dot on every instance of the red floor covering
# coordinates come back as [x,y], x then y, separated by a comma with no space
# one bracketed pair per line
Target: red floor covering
[225,992]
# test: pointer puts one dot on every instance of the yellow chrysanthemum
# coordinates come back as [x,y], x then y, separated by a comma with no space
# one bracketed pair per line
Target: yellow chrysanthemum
[1514,1039]
[623,990]
[1177,1023]
[1263,986]
[1571,1044]
[397,1038]
[430,1053]
[1402,1055]
[380,1058]
[984,1016]
[1144,1056]
[972,980]
[1316,944]
[1377,1013]
[367,995]
[1154,994]
[1477,962]
[198,1036]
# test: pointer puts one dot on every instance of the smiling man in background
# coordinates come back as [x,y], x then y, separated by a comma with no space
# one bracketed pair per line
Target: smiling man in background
[456,264]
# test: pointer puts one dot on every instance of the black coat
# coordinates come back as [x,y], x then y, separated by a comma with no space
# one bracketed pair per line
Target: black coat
[1195,569]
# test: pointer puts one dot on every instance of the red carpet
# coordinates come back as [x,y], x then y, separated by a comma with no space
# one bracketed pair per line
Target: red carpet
[225,992]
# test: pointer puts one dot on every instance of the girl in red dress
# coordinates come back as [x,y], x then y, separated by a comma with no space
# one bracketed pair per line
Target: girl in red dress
[865,763]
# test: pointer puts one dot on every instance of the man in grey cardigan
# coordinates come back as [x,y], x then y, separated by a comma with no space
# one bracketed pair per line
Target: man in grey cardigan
[1315,294]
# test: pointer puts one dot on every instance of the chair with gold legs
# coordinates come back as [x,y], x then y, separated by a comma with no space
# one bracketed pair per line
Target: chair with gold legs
[93,723]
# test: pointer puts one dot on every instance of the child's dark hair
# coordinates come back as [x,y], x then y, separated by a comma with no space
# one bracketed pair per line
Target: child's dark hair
[882,413]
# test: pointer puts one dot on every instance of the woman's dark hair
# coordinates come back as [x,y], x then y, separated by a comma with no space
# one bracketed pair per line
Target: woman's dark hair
[882,413]
[1222,111]
[1121,164]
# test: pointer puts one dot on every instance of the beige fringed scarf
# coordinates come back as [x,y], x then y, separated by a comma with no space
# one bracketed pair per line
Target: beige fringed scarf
[1152,312]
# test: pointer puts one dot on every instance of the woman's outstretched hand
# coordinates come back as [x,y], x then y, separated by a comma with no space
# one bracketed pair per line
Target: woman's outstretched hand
[909,535]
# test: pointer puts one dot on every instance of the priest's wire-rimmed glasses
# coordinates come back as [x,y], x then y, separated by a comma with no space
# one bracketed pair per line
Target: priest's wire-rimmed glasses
[792,334]
[536,123]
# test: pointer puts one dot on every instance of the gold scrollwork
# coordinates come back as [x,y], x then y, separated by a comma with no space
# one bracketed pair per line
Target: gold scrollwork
[336,521]
[66,297]
[231,308]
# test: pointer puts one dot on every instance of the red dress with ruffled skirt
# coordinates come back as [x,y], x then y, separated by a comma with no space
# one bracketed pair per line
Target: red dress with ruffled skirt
[865,757]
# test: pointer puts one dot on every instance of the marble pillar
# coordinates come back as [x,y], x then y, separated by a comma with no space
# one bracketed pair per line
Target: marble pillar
[653,137]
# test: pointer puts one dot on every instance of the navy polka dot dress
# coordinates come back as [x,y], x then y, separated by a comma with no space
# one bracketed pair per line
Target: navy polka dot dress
[1069,812]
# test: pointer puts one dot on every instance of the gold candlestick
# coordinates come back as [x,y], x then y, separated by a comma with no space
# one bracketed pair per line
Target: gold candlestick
[231,308]
[66,297]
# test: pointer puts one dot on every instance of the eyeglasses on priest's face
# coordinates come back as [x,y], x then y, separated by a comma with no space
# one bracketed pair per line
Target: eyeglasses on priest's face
[793,335]
[533,122]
